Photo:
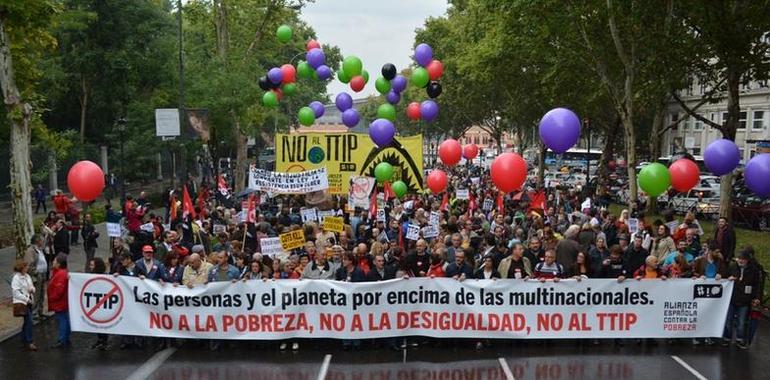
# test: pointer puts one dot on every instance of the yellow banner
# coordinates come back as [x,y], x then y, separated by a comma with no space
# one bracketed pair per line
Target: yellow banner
[349,154]
[333,223]
[292,240]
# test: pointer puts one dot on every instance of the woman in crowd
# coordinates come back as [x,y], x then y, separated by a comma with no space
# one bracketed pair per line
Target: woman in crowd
[23,290]
[97,266]
[57,300]
[487,271]
[663,243]
[174,268]
[581,269]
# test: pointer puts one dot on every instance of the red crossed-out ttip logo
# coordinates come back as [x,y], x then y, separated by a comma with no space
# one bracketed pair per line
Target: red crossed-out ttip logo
[101,300]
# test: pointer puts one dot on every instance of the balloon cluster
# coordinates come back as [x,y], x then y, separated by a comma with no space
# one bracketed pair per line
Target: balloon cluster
[425,76]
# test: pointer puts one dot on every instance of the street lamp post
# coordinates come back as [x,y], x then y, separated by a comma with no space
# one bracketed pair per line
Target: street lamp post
[587,128]
[121,126]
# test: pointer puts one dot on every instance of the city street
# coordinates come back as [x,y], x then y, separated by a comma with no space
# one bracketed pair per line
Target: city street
[262,360]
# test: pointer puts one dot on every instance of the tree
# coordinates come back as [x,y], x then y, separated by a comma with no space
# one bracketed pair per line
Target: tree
[23,37]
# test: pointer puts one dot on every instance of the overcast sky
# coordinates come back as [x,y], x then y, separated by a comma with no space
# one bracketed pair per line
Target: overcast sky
[378,32]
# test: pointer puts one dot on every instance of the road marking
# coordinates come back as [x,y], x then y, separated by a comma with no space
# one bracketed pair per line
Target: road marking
[324,367]
[689,368]
[152,364]
[506,369]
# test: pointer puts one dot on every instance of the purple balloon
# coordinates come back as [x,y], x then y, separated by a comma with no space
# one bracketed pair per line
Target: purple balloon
[318,108]
[428,110]
[398,83]
[350,117]
[275,75]
[757,175]
[559,129]
[315,58]
[393,97]
[343,101]
[324,72]
[382,132]
[423,54]
[722,156]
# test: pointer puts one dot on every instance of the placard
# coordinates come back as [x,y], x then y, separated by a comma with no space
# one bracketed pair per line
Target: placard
[114,230]
[413,232]
[324,213]
[333,223]
[488,204]
[462,194]
[147,227]
[633,225]
[218,228]
[429,231]
[360,188]
[434,218]
[292,239]
[309,214]
[381,215]
[288,183]
[271,246]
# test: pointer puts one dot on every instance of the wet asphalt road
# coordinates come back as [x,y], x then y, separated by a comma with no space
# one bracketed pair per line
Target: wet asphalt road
[553,360]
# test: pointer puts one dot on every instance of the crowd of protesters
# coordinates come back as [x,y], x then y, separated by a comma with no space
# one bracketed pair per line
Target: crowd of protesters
[545,235]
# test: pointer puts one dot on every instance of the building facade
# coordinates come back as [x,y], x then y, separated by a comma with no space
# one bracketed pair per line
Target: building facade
[694,136]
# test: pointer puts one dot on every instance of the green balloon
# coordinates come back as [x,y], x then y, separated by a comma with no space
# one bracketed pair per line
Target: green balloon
[314,75]
[383,172]
[352,65]
[304,70]
[420,77]
[343,76]
[382,85]
[284,33]
[306,116]
[270,99]
[365,74]
[386,111]
[654,179]
[289,89]
[399,187]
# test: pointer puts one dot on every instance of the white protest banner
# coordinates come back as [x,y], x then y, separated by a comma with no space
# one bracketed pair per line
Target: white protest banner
[271,246]
[436,307]
[488,204]
[413,232]
[429,231]
[288,183]
[113,230]
[309,214]
[633,225]
[324,213]
[462,194]
[147,227]
[434,218]
[360,188]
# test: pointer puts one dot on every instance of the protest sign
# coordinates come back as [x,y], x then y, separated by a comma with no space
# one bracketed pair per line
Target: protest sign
[633,225]
[350,154]
[429,231]
[147,227]
[360,188]
[309,214]
[292,239]
[288,183]
[488,204]
[324,213]
[271,246]
[381,215]
[413,232]
[462,194]
[113,230]
[219,228]
[434,218]
[333,223]
[437,307]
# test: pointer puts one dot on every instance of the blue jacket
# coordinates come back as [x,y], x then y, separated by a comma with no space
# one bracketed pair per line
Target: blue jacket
[453,270]
[155,273]
[232,273]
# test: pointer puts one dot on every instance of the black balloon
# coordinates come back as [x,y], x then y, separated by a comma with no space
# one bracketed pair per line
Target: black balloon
[265,83]
[388,71]
[433,89]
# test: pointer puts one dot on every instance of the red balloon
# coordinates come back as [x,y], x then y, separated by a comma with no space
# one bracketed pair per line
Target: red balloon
[470,151]
[289,73]
[357,83]
[450,151]
[435,69]
[85,180]
[278,93]
[509,171]
[312,44]
[413,111]
[685,175]
[437,181]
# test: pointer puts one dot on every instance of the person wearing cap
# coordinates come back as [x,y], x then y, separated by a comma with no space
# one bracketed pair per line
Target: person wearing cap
[149,267]
[746,293]
[623,240]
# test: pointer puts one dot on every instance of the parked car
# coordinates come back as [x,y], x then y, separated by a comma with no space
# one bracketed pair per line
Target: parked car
[752,212]
[701,200]
[710,181]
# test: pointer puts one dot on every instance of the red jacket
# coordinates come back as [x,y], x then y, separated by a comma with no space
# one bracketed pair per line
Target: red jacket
[57,290]
[134,219]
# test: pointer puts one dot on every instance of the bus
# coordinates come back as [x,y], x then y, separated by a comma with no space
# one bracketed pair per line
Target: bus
[574,156]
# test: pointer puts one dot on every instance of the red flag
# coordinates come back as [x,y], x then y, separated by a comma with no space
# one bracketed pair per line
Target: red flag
[251,213]
[172,209]
[445,203]
[401,238]
[388,190]
[471,204]
[537,201]
[373,204]
[187,205]
[201,202]
[222,185]
[500,204]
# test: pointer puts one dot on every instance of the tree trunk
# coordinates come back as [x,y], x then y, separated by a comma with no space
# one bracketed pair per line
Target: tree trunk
[241,153]
[654,147]
[19,116]
[728,132]
[83,108]
[610,139]
[540,166]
